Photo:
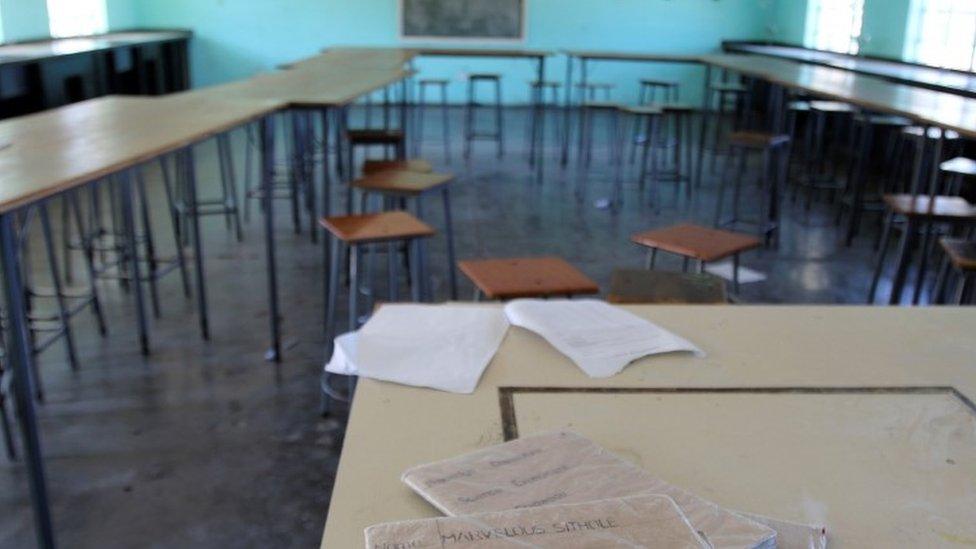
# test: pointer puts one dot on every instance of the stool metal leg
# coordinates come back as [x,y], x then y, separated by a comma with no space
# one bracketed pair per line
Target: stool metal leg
[89,256]
[177,230]
[64,317]
[449,228]
[499,119]
[446,128]
[354,257]
[201,278]
[133,255]
[150,244]
[415,271]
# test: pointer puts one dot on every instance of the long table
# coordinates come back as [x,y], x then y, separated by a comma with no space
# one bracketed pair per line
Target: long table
[64,149]
[951,81]
[859,418]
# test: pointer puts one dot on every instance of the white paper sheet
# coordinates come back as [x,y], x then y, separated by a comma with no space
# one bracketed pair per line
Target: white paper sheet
[725,270]
[600,338]
[445,347]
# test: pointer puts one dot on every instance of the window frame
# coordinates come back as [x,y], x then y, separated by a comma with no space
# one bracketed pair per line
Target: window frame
[920,9]
[813,33]
[95,23]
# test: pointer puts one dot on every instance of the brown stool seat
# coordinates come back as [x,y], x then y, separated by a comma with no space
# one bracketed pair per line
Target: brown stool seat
[375,137]
[379,227]
[417,165]
[435,81]
[545,84]
[728,87]
[831,106]
[758,140]
[601,105]
[402,182]
[933,133]
[694,241]
[484,76]
[939,208]
[640,286]
[527,277]
[642,110]
[962,253]
[960,166]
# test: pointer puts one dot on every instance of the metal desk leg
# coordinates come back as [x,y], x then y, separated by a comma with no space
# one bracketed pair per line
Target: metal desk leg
[537,113]
[705,115]
[191,183]
[451,260]
[19,356]
[568,106]
[132,250]
[267,181]
[582,130]
[904,260]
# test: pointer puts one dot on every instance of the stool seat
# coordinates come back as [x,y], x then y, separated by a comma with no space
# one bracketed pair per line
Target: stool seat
[939,208]
[484,76]
[962,253]
[527,277]
[728,87]
[758,140]
[596,85]
[375,137]
[601,105]
[642,110]
[435,81]
[635,286]
[959,166]
[378,227]
[416,165]
[933,133]
[677,107]
[659,83]
[697,242]
[883,120]
[831,107]
[402,182]
[545,84]
[799,106]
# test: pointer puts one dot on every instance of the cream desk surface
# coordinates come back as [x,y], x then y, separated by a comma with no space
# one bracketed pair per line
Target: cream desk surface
[859,418]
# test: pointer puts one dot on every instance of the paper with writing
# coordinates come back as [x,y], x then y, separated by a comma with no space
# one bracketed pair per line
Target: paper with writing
[445,347]
[600,338]
[790,535]
[642,521]
[561,468]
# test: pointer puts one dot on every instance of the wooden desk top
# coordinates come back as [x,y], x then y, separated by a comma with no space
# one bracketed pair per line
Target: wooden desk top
[792,349]
[39,50]
[634,56]
[513,278]
[57,149]
[932,77]
[444,51]
[922,105]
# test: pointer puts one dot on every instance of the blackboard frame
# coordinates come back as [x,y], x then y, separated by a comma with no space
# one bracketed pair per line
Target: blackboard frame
[523,30]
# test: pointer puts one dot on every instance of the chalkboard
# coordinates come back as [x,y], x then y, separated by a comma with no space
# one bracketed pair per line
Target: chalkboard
[466,19]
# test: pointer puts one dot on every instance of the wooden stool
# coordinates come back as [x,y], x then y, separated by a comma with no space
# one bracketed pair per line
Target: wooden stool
[388,139]
[699,243]
[405,185]
[730,99]
[647,94]
[919,213]
[818,177]
[440,84]
[504,279]
[537,127]
[774,149]
[590,110]
[470,132]
[960,173]
[647,123]
[635,286]
[417,165]
[678,121]
[587,91]
[357,231]
[962,255]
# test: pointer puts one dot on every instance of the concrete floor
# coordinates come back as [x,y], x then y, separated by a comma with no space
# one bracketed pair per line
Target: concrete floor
[200,445]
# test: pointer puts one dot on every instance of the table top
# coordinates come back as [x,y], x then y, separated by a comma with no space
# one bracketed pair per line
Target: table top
[445,51]
[933,77]
[924,106]
[30,52]
[607,55]
[55,150]
[821,385]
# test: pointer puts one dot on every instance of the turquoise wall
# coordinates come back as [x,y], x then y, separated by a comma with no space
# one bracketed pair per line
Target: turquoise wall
[23,19]
[788,21]
[885,23]
[236,38]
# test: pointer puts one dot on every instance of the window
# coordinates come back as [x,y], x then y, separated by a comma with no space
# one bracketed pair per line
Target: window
[835,25]
[942,33]
[76,17]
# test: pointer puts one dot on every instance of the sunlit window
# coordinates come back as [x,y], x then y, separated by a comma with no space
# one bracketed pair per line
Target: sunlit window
[76,17]
[835,25]
[942,33]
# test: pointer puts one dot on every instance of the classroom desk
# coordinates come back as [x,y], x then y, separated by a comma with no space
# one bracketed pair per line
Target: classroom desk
[41,50]
[826,409]
[945,80]
[585,56]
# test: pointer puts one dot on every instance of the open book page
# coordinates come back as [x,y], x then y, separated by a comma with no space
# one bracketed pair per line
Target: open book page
[445,347]
[643,521]
[560,468]
[600,338]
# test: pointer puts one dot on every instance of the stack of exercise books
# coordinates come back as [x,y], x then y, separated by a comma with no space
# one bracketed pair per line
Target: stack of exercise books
[561,490]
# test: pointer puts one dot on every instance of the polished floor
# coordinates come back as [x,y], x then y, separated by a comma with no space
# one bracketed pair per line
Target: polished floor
[207,445]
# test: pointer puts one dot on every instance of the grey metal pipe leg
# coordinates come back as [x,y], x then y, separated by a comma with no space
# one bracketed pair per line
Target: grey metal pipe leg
[64,317]
[267,182]
[19,358]
[128,223]
[143,199]
[89,255]
[175,220]
[451,259]
[201,278]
